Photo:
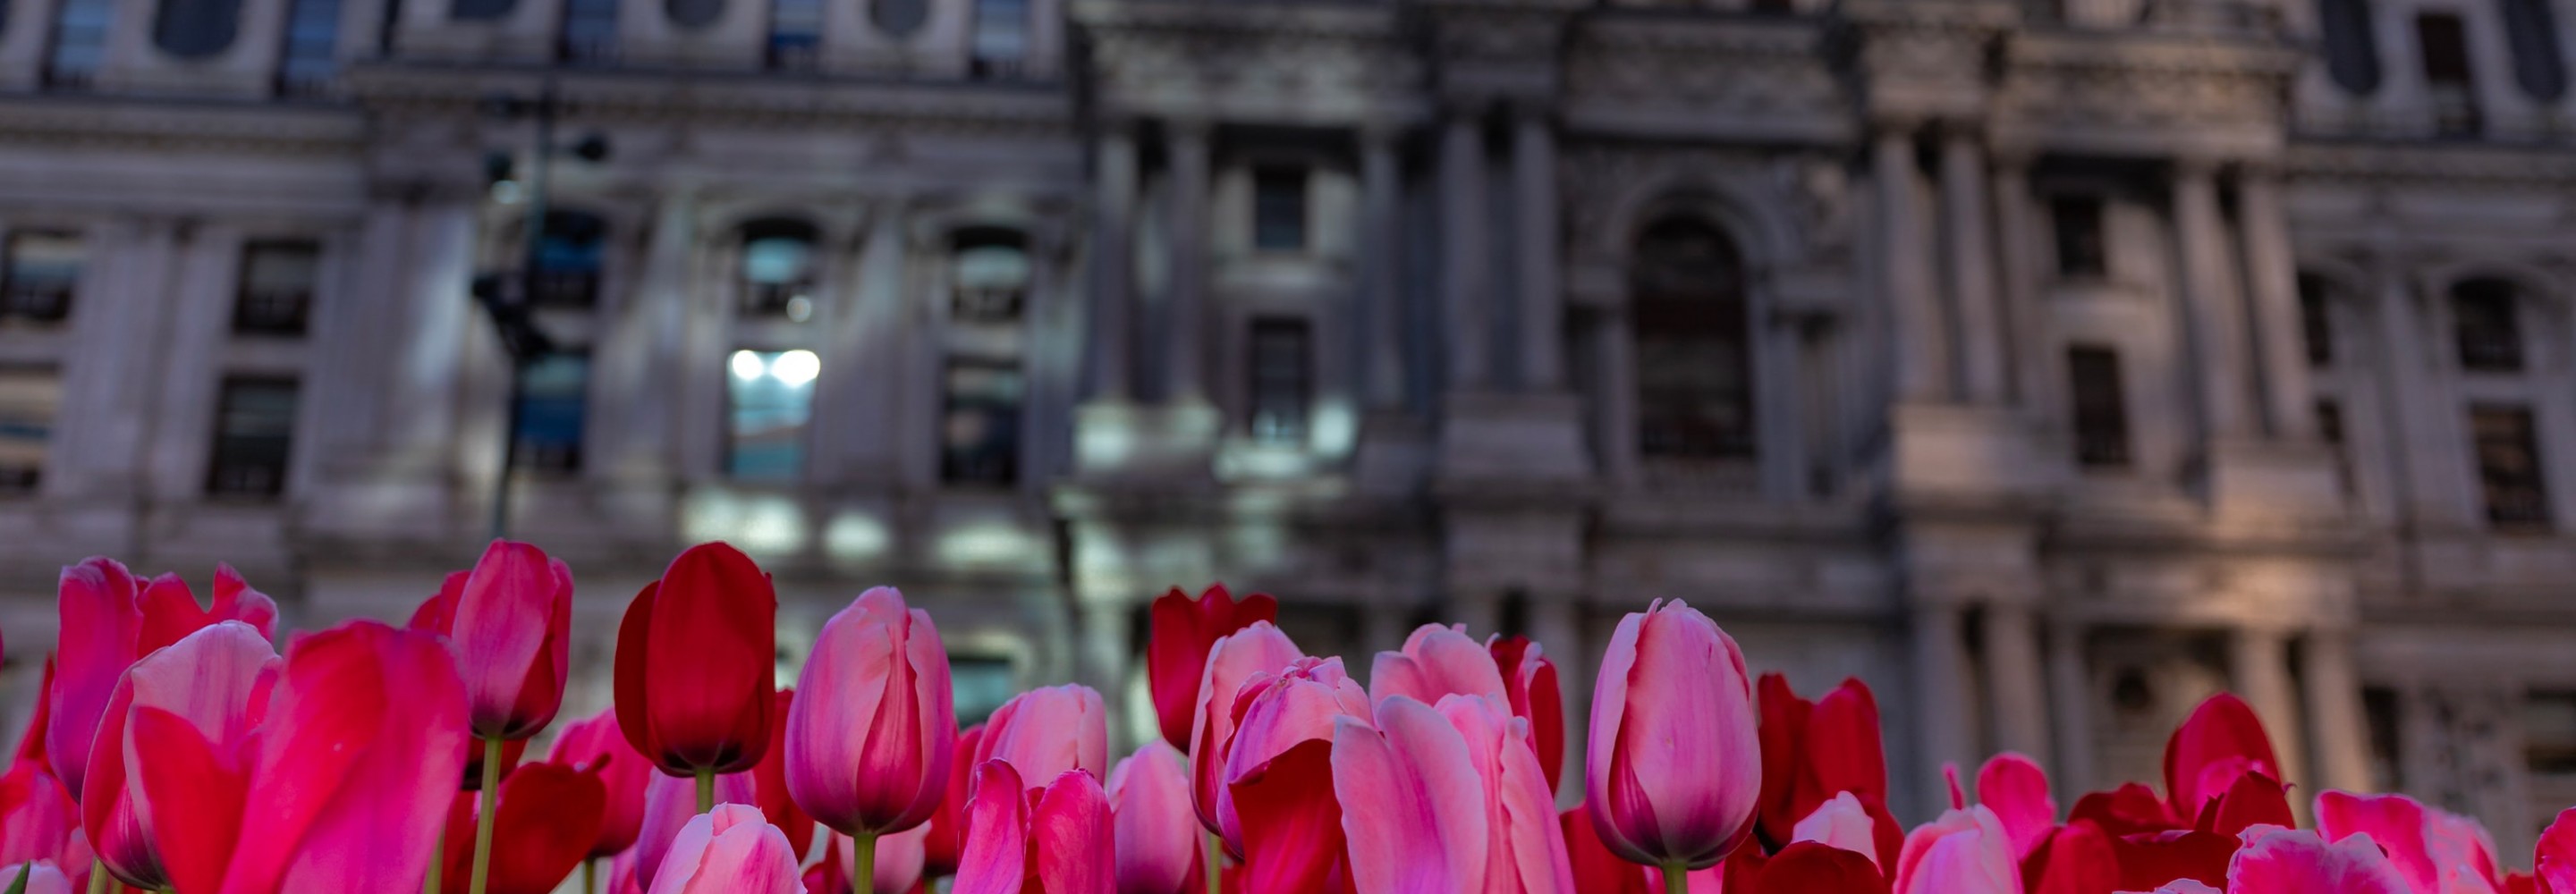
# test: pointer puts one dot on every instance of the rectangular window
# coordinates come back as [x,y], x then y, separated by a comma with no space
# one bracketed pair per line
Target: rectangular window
[770,397]
[2508,452]
[1001,39]
[43,270]
[1282,369]
[275,294]
[795,34]
[979,685]
[2485,323]
[311,58]
[568,260]
[2443,43]
[2330,430]
[29,401]
[589,32]
[79,43]
[2379,709]
[552,406]
[2081,252]
[254,429]
[2316,320]
[979,431]
[2549,733]
[2101,407]
[1279,208]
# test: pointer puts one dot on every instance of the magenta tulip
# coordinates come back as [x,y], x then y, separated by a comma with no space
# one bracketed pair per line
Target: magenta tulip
[2433,850]
[1459,802]
[100,624]
[1963,852]
[1274,714]
[696,664]
[1176,653]
[1157,834]
[170,611]
[598,745]
[38,821]
[1046,732]
[1236,657]
[2016,789]
[730,850]
[1436,661]
[1674,772]
[217,680]
[510,628]
[2553,859]
[868,744]
[669,803]
[1055,840]
[2275,860]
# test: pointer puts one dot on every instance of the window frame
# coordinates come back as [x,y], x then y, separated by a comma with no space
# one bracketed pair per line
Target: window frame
[2535,514]
[2098,418]
[244,320]
[1281,411]
[216,486]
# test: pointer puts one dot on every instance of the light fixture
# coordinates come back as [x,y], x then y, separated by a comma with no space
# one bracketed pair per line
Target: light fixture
[796,367]
[747,365]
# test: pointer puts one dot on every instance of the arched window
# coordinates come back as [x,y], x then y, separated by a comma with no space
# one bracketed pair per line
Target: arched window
[899,18]
[985,391]
[568,261]
[2352,53]
[194,29]
[693,13]
[481,10]
[778,266]
[2537,64]
[1694,364]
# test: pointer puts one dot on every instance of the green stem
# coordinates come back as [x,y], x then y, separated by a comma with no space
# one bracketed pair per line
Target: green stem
[437,861]
[706,789]
[1676,878]
[491,806]
[863,863]
[1215,864]
[589,877]
[97,876]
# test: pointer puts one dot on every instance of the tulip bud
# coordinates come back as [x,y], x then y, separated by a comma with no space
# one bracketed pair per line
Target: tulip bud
[868,744]
[1176,652]
[730,850]
[1157,835]
[509,622]
[1675,766]
[696,658]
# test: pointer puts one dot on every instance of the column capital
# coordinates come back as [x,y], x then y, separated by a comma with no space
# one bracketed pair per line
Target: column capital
[2196,166]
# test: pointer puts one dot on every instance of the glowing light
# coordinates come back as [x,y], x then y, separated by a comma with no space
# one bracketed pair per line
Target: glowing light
[795,367]
[747,365]
[856,537]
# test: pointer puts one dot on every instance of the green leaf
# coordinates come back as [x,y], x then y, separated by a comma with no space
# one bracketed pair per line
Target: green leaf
[20,886]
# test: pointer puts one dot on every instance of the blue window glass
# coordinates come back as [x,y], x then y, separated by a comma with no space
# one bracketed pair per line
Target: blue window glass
[553,404]
[311,57]
[29,400]
[770,399]
[79,43]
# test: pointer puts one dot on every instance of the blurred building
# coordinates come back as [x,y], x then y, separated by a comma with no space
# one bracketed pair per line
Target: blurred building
[2047,364]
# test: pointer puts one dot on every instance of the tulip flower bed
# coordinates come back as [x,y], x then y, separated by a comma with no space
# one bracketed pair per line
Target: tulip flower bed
[175,749]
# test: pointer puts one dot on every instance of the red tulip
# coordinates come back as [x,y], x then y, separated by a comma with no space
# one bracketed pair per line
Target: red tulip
[2296,861]
[217,681]
[41,877]
[1055,840]
[731,850]
[1812,751]
[549,818]
[2223,739]
[1456,802]
[350,785]
[1596,869]
[1809,868]
[868,746]
[1963,852]
[2433,851]
[1277,712]
[596,745]
[2255,800]
[2128,810]
[38,821]
[942,846]
[1043,733]
[1176,653]
[1291,824]
[509,622]
[1675,770]
[170,611]
[2076,859]
[695,660]
[2554,858]
[1157,833]
[1436,661]
[1236,657]
[1529,679]
[109,619]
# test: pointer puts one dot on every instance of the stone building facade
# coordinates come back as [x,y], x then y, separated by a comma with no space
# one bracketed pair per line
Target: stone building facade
[2048,363]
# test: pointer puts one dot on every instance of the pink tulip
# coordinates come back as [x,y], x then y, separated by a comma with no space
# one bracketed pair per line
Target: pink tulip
[170,611]
[42,878]
[509,622]
[38,821]
[730,850]
[1436,661]
[1674,773]
[2554,858]
[1529,678]
[109,618]
[868,745]
[1277,712]
[2221,740]
[350,785]
[2017,790]
[1963,852]
[1157,835]
[1176,653]
[1043,733]
[1843,823]
[2434,851]
[217,680]
[1457,801]
[1055,840]
[2275,860]
[1236,657]
[597,744]
[669,803]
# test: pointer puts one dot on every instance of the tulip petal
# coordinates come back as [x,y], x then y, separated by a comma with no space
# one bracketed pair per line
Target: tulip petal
[704,659]
[2222,731]
[2017,789]
[2290,861]
[1070,832]
[873,737]
[1232,660]
[1292,824]
[1436,661]
[597,745]
[2149,860]
[503,620]
[1812,868]
[2075,859]
[1157,838]
[549,816]
[99,624]
[1176,654]
[2554,859]
[182,774]
[996,860]
[1843,823]
[1687,778]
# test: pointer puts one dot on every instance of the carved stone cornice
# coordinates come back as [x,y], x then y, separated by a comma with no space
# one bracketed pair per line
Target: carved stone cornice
[1920,60]
[1289,63]
[1660,74]
[2145,94]
[2425,162]
[98,122]
[1035,110]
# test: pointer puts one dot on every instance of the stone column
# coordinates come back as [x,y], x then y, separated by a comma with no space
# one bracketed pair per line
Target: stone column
[2013,680]
[2334,712]
[2429,488]
[2069,694]
[1185,146]
[2017,282]
[2259,661]
[1463,268]
[1381,291]
[1940,696]
[422,435]
[1102,654]
[2218,344]
[1972,277]
[632,363]
[1914,315]
[1541,289]
[1114,211]
[2273,280]
[1615,349]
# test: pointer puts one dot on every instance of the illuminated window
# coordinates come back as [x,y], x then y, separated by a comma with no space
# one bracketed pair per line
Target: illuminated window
[29,400]
[1001,39]
[2316,319]
[2486,325]
[1279,208]
[2077,224]
[552,406]
[770,397]
[254,429]
[778,269]
[991,277]
[1283,373]
[1694,369]
[43,270]
[2352,50]
[978,686]
[2444,45]
[311,58]
[2101,407]
[2508,455]
[589,31]
[979,435]
[79,43]
[795,34]
[275,294]
[568,260]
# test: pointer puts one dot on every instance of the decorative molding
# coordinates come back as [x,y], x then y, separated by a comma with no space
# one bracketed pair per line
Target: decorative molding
[1763,75]
[1018,110]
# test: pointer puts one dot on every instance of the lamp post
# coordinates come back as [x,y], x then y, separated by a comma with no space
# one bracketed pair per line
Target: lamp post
[512,305]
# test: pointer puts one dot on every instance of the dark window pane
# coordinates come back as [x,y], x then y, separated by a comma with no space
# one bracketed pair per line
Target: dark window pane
[254,428]
[2352,48]
[310,59]
[1774,7]
[2537,66]
[2330,430]
[2485,322]
[2444,45]
[2549,733]
[552,406]
[770,397]
[29,401]
[1694,365]
[991,277]
[2316,319]
[1001,39]
[778,269]
[693,13]
[978,686]
[1279,208]
[2081,251]
[979,431]
[44,270]
[589,31]
[1282,373]
[2379,708]
[482,10]
[2508,453]
[899,18]
[276,290]
[195,29]
[79,43]
[2101,407]
[568,260]
[795,34]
